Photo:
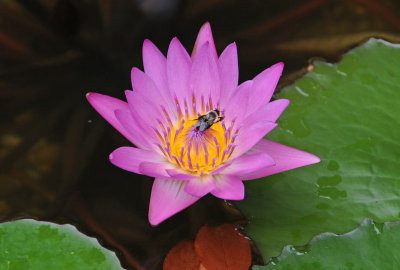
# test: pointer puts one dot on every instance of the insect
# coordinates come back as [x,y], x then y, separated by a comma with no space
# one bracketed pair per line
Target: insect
[206,121]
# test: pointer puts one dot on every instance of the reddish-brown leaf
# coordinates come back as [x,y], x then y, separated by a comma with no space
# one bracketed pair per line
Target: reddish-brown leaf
[182,257]
[223,248]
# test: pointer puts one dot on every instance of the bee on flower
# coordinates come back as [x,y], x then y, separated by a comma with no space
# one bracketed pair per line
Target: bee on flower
[194,128]
[206,121]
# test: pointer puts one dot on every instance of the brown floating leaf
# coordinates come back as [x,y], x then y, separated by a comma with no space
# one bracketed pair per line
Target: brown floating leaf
[223,247]
[182,257]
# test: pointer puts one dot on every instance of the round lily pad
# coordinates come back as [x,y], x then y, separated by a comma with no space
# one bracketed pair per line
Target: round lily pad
[349,115]
[369,246]
[36,245]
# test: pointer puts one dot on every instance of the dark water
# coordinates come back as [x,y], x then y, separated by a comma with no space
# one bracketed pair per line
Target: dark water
[53,146]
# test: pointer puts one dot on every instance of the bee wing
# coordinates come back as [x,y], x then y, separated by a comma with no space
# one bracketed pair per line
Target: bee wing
[200,117]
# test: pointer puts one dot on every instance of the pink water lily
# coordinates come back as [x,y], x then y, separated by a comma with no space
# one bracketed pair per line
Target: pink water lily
[160,118]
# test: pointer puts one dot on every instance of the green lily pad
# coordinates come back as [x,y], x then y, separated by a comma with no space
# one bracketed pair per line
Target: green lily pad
[349,115]
[36,245]
[354,250]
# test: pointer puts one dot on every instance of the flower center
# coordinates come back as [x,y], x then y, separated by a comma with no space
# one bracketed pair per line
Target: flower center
[198,151]
[195,151]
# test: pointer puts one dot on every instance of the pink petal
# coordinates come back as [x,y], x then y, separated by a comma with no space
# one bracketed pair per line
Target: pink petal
[135,124]
[141,111]
[268,112]
[204,77]
[105,106]
[179,175]
[178,70]
[200,186]
[286,158]
[140,139]
[228,72]
[155,169]
[236,106]
[145,110]
[168,197]
[129,158]
[155,66]
[145,86]
[220,168]
[204,36]
[264,86]
[249,163]
[249,136]
[228,187]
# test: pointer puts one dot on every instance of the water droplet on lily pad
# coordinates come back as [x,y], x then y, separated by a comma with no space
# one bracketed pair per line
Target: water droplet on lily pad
[333,165]
[331,193]
[325,181]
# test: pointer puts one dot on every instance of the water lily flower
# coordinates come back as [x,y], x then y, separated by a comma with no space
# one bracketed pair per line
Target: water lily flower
[171,98]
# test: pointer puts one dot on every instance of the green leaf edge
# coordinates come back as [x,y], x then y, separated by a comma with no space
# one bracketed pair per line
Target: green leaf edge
[70,229]
[290,249]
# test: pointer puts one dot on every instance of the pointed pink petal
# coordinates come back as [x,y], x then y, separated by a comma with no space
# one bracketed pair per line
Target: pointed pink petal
[204,77]
[141,114]
[249,163]
[204,36]
[129,158]
[145,110]
[135,124]
[168,197]
[155,66]
[228,187]
[200,186]
[264,86]
[236,106]
[220,168]
[286,158]
[268,112]
[179,175]
[155,169]
[140,139]
[249,136]
[228,72]
[105,106]
[178,70]
[144,85]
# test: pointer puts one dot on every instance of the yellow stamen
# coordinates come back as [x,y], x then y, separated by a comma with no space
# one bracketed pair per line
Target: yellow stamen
[197,151]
